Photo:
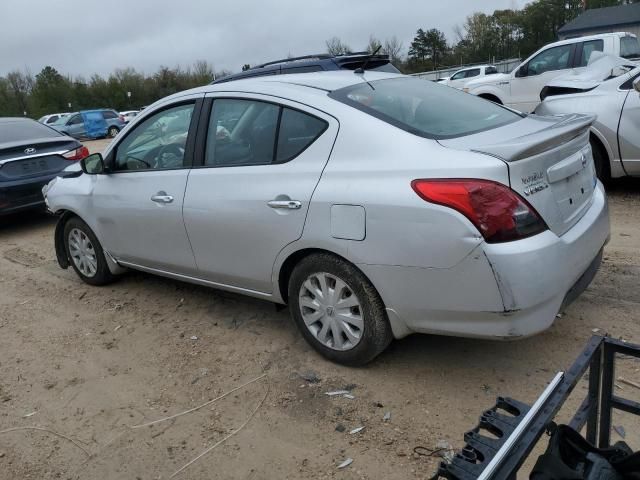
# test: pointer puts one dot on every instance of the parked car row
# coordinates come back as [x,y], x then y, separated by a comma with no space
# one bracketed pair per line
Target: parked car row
[521,88]
[90,124]
[375,205]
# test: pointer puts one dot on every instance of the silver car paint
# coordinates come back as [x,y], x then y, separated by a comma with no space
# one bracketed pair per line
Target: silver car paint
[429,264]
[618,118]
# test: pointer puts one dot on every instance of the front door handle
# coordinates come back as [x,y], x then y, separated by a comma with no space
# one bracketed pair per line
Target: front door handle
[288,204]
[162,197]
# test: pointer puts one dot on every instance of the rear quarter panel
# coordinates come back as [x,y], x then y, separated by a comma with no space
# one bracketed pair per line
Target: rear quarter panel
[372,165]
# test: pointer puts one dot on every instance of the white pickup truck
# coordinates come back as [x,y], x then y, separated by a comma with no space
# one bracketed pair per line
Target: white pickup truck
[521,88]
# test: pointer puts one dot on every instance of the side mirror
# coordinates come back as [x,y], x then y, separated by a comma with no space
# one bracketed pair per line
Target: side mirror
[93,164]
[636,85]
[522,71]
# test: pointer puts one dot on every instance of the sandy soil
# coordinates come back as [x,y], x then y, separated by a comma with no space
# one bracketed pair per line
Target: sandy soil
[89,363]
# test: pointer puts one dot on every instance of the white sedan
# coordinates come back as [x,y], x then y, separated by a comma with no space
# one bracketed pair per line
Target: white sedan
[610,89]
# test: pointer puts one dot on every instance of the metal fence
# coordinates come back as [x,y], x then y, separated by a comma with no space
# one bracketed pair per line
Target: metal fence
[503,66]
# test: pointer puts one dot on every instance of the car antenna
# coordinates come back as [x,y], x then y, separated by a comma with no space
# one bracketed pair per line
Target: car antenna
[360,70]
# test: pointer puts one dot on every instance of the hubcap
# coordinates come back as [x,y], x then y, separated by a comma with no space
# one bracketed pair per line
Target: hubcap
[331,311]
[82,253]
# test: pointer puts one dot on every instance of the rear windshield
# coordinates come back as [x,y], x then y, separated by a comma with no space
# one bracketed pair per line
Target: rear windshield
[21,130]
[425,108]
[629,47]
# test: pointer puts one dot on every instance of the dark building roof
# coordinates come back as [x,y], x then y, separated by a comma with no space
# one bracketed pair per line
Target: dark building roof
[607,17]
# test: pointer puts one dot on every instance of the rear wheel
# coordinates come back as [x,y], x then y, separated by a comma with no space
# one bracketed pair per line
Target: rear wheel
[85,253]
[337,310]
[601,162]
[112,132]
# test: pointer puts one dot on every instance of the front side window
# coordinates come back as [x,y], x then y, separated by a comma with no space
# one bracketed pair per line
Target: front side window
[109,115]
[490,71]
[588,48]
[158,142]
[425,108]
[472,73]
[459,75]
[251,132]
[76,120]
[556,58]
[629,47]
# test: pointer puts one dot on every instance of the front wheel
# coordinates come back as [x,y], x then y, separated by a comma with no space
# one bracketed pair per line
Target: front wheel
[112,132]
[338,310]
[601,163]
[85,253]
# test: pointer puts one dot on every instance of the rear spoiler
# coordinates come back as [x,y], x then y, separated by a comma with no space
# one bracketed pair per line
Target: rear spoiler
[567,128]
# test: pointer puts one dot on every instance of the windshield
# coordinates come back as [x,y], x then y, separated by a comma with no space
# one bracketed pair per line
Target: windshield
[24,130]
[629,47]
[425,108]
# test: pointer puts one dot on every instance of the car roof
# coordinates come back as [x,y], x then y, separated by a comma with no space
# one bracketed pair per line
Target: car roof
[310,88]
[586,38]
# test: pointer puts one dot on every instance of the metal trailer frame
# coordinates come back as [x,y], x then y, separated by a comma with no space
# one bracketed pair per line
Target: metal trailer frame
[520,426]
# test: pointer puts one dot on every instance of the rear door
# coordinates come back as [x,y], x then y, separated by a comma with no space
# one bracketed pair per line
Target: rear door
[261,160]
[629,131]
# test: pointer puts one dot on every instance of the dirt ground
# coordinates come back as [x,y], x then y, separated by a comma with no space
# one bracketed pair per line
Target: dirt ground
[89,363]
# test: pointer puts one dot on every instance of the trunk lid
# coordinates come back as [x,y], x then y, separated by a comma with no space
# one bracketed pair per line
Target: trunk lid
[549,160]
[33,158]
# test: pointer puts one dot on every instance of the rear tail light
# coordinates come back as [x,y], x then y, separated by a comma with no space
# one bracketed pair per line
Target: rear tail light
[77,154]
[499,213]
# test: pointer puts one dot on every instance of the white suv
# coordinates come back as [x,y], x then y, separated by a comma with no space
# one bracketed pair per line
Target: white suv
[521,88]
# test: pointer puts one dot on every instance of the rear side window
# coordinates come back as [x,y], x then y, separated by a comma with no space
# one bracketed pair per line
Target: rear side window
[629,47]
[587,49]
[109,115]
[297,131]
[251,132]
[305,69]
[490,70]
[425,108]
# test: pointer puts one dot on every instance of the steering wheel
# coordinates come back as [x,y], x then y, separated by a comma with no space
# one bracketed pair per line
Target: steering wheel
[174,150]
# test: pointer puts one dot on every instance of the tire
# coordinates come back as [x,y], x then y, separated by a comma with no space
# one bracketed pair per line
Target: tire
[601,162]
[112,132]
[81,244]
[352,345]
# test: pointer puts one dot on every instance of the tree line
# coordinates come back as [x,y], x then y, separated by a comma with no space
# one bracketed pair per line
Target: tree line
[481,38]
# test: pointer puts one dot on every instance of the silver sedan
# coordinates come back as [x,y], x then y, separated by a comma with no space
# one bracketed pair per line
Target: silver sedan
[375,205]
[610,89]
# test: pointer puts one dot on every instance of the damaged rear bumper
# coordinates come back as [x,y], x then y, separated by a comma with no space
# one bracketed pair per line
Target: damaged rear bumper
[500,291]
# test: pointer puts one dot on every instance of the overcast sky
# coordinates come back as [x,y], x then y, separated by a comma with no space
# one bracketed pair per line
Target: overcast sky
[82,37]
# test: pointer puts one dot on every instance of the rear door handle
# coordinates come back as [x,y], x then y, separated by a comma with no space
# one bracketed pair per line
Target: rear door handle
[162,197]
[288,204]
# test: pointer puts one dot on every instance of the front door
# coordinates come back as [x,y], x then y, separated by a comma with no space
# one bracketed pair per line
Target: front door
[629,133]
[75,126]
[527,83]
[138,203]
[261,163]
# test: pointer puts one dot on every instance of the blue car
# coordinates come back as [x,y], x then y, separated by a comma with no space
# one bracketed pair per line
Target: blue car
[91,124]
